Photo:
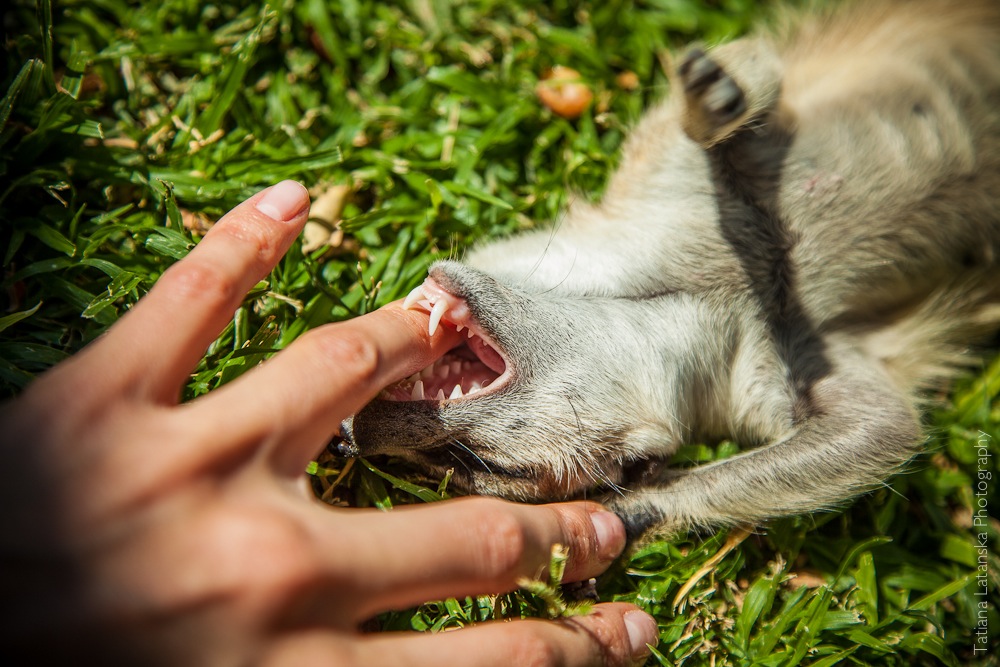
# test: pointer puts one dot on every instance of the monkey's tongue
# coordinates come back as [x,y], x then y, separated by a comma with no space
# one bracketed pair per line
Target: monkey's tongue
[453,376]
[486,354]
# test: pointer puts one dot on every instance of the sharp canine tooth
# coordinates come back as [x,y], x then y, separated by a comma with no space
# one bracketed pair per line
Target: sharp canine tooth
[440,395]
[474,388]
[459,327]
[417,394]
[440,308]
[470,333]
[415,295]
[456,392]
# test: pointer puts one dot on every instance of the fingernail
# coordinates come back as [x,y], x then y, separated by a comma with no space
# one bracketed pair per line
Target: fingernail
[610,533]
[284,201]
[642,630]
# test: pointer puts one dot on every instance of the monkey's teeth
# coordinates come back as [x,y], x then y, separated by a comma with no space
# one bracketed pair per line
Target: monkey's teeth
[437,312]
[448,378]
[464,377]
[415,295]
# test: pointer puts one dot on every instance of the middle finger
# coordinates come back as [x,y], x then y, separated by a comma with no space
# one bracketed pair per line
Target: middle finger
[297,400]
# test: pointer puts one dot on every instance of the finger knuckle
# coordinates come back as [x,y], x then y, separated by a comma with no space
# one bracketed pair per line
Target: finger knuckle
[577,530]
[504,540]
[609,635]
[347,352]
[192,279]
[264,547]
[257,239]
[532,649]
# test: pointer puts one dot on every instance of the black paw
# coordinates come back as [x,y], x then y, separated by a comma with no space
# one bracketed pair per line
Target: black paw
[638,517]
[710,92]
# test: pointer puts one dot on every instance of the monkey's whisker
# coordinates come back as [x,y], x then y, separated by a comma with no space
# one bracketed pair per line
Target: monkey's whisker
[473,454]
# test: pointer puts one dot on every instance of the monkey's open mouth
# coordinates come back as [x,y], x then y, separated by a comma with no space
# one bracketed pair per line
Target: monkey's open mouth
[475,368]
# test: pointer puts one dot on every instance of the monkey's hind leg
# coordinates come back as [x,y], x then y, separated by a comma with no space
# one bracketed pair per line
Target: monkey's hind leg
[860,430]
[726,90]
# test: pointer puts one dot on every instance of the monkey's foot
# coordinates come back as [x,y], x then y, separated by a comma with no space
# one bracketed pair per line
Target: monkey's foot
[713,98]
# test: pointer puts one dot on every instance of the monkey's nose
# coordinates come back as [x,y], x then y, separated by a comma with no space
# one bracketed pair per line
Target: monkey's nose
[343,444]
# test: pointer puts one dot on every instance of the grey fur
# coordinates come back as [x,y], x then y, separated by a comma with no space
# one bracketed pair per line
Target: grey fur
[797,243]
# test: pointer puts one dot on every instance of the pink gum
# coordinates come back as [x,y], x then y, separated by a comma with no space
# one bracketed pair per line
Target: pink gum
[458,311]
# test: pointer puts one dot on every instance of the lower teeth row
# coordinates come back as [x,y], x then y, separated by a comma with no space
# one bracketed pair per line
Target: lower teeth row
[417,392]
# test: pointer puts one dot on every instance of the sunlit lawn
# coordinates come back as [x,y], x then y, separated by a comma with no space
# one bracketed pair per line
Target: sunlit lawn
[127,128]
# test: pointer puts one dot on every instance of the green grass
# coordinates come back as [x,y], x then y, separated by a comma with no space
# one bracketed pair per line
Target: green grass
[121,123]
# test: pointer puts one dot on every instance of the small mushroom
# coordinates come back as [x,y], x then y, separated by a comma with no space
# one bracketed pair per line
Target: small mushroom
[563,91]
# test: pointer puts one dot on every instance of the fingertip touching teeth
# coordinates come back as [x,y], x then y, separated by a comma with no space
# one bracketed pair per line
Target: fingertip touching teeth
[434,299]
[476,366]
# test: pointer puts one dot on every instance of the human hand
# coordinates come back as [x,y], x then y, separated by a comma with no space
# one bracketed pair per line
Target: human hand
[140,529]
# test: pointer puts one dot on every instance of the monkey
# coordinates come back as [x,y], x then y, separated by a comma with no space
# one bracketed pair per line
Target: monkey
[799,243]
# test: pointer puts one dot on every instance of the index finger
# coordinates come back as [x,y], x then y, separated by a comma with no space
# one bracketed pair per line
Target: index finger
[297,399]
[158,343]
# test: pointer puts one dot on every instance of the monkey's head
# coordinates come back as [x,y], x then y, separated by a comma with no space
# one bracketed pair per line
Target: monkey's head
[547,397]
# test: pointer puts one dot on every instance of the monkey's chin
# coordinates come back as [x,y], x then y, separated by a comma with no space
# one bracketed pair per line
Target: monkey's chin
[470,474]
